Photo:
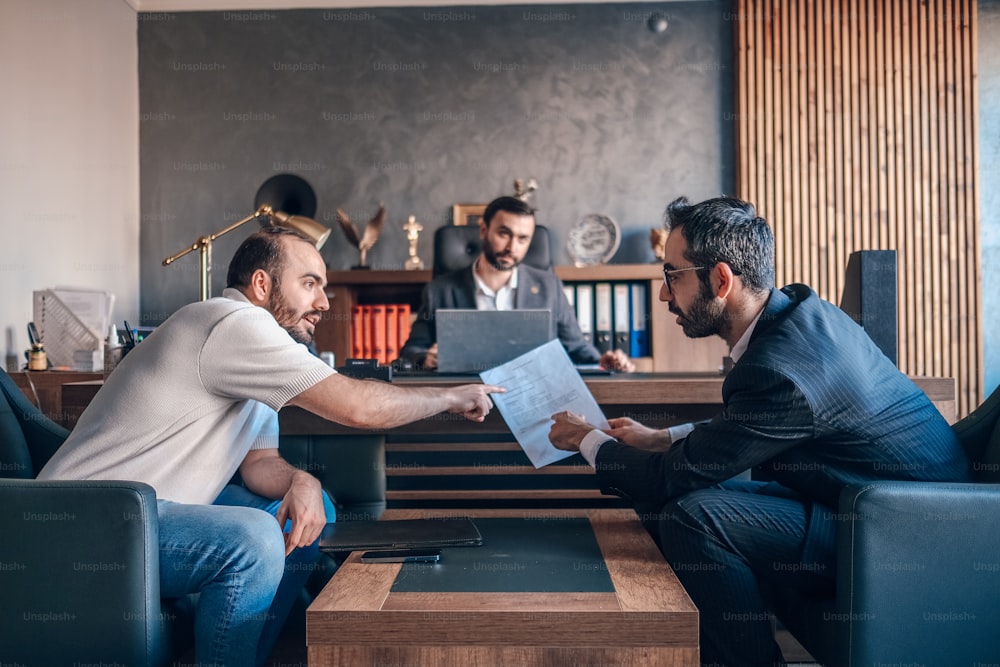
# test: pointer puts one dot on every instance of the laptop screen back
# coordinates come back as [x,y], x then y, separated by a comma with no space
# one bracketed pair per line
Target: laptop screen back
[472,341]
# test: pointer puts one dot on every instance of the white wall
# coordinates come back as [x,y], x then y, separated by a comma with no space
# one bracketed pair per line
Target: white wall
[69,153]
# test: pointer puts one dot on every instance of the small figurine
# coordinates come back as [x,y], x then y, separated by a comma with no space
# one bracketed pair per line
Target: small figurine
[519,190]
[413,229]
[365,241]
[658,241]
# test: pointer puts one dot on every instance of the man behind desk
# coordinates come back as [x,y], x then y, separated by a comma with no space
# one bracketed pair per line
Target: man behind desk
[197,401]
[810,399]
[497,280]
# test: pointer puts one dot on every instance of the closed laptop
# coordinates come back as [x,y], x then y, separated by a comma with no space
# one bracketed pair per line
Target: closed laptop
[400,534]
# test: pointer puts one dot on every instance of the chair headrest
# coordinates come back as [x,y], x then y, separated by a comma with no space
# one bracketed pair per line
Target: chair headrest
[457,246]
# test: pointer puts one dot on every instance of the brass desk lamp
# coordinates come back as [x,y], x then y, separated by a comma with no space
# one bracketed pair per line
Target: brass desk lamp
[288,190]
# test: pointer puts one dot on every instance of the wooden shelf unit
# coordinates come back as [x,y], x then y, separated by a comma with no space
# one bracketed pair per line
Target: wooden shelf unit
[671,350]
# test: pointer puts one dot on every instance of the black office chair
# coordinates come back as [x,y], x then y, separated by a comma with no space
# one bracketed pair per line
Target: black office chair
[457,246]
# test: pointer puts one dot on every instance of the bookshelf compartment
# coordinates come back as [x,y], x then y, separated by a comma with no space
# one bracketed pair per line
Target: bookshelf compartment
[670,350]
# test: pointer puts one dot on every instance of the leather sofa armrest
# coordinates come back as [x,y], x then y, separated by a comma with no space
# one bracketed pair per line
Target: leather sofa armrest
[350,468]
[918,573]
[79,573]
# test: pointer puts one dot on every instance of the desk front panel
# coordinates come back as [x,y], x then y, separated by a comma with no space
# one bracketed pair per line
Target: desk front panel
[446,461]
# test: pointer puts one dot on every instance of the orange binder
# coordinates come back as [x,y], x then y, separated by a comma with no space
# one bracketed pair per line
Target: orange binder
[403,324]
[357,332]
[391,332]
[377,333]
[366,332]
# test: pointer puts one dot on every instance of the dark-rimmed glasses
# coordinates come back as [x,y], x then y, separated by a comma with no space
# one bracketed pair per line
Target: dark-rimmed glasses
[668,275]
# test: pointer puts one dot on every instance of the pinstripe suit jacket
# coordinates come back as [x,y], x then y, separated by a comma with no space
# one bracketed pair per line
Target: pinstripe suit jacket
[814,402]
[536,288]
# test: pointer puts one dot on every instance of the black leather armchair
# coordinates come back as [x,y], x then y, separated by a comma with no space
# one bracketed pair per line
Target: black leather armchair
[457,246]
[918,568]
[79,560]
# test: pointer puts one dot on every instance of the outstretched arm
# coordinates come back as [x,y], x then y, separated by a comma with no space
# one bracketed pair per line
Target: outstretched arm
[379,405]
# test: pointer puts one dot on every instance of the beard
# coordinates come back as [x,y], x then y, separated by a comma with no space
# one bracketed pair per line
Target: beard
[287,318]
[706,316]
[494,258]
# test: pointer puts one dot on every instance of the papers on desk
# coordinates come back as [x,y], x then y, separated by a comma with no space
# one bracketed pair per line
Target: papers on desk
[73,323]
[539,384]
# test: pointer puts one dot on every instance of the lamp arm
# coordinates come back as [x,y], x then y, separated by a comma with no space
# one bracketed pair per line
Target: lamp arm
[195,246]
[205,240]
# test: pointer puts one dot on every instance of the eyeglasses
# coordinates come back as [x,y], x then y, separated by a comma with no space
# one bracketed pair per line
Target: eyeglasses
[668,275]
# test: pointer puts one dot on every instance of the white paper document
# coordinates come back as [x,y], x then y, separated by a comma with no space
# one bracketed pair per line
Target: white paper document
[539,384]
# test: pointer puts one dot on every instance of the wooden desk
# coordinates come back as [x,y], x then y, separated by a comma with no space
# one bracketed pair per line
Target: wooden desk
[656,399]
[646,618]
[445,461]
[44,390]
[625,392]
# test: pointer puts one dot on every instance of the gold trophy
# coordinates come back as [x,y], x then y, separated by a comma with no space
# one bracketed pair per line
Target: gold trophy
[413,229]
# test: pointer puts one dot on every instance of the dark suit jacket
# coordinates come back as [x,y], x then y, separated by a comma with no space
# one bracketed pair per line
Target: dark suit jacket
[535,289]
[814,402]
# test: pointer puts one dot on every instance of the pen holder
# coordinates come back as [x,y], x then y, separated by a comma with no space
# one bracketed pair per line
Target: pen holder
[37,359]
[112,357]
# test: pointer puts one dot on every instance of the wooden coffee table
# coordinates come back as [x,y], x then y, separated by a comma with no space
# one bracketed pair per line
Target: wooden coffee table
[561,587]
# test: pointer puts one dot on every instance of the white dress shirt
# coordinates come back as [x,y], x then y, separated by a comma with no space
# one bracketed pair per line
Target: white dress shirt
[502,299]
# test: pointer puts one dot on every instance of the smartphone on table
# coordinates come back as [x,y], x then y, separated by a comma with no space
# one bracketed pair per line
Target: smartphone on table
[402,556]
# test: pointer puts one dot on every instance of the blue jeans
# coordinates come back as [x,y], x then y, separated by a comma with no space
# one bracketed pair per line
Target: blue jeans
[232,554]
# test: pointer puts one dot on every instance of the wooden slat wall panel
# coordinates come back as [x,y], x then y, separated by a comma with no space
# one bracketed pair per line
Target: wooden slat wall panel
[857,130]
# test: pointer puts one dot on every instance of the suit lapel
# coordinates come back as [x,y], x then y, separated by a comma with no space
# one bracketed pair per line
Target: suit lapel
[465,290]
[528,290]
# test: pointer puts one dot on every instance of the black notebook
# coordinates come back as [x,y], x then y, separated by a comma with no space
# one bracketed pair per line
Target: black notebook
[400,534]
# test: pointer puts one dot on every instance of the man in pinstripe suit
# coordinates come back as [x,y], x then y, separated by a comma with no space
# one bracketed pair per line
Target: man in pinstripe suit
[811,402]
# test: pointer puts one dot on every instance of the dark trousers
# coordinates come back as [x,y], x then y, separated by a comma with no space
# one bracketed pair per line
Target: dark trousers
[723,542]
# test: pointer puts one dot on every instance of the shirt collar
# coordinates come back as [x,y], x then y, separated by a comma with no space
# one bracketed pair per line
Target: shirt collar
[744,341]
[235,294]
[511,283]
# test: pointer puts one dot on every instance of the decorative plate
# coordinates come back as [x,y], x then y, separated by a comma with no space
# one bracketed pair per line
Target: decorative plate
[593,239]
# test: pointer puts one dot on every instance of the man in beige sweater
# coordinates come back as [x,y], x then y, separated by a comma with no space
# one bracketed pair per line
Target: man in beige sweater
[197,401]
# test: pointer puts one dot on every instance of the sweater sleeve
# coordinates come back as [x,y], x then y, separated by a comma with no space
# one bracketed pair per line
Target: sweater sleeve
[249,356]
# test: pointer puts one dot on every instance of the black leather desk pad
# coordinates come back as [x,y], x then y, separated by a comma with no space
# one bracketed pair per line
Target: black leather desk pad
[557,555]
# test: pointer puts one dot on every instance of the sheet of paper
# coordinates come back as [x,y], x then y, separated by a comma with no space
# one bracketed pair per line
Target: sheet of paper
[539,384]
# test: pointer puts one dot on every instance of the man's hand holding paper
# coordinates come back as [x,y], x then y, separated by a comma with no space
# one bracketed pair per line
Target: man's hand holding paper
[568,430]
[539,384]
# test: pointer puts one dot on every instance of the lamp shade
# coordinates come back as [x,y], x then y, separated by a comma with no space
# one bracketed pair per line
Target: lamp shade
[314,231]
[289,193]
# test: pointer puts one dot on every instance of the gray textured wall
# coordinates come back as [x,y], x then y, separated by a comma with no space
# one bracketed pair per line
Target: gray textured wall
[422,108]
